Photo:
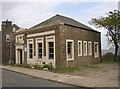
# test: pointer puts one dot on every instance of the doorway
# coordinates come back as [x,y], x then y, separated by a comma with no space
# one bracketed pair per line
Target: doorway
[20,56]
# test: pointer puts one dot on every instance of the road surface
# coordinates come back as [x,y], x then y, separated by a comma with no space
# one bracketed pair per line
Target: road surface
[13,79]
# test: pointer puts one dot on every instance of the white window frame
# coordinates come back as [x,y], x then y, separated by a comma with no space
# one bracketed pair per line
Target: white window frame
[80,47]
[85,53]
[90,48]
[7,38]
[50,39]
[30,41]
[72,49]
[39,40]
[96,54]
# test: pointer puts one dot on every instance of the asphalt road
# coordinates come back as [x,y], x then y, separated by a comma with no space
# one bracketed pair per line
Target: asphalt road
[13,79]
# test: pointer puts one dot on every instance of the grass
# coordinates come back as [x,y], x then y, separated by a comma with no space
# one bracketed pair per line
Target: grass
[108,61]
[93,67]
[65,70]
[76,69]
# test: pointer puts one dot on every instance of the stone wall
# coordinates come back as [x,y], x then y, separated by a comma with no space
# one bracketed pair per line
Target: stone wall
[8,47]
[63,32]
[73,33]
[0,47]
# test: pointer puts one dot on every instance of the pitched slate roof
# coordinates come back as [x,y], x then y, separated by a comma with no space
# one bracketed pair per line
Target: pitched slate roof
[58,19]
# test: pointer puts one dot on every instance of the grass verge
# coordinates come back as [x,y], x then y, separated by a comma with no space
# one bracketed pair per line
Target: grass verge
[76,69]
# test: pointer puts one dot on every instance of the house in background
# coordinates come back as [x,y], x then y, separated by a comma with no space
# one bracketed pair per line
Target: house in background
[7,42]
[59,40]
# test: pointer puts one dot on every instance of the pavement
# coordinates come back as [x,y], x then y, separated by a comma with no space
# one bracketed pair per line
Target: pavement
[63,78]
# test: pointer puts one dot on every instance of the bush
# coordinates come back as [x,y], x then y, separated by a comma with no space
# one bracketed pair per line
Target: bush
[49,66]
[38,66]
[18,65]
[23,65]
[108,57]
[26,65]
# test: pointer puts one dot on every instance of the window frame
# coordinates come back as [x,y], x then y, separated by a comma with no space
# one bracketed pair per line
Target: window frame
[85,53]
[39,40]
[50,39]
[50,53]
[14,29]
[30,41]
[90,48]
[96,54]
[79,47]
[31,51]
[67,49]
[7,37]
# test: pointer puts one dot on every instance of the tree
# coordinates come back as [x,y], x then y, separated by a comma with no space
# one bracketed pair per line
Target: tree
[111,22]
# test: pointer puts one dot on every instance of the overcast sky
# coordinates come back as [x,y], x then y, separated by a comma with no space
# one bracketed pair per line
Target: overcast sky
[28,14]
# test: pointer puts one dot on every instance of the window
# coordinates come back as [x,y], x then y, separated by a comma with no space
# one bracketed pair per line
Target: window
[39,50]
[96,49]
[14,29]
[50,50]
[70,49]
[79,48]
[89,48]
[85,48]
[19,37]
[7,38]
[30,51]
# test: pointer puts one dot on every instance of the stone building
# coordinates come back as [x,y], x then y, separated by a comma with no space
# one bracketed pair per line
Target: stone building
[7,42]
[60,41]
[0,47]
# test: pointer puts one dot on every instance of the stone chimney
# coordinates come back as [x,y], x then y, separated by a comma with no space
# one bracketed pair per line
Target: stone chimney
[6,24]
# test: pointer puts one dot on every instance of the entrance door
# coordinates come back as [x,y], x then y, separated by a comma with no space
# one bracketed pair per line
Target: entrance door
[20,56]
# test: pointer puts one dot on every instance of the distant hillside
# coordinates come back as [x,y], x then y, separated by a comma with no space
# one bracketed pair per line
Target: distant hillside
[104,51]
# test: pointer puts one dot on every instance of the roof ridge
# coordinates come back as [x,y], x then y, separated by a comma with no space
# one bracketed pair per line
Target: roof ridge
[74,20]
[61,19]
